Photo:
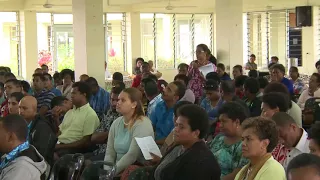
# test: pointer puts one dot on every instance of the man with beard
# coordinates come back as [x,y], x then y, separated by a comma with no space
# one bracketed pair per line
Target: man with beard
[100,136]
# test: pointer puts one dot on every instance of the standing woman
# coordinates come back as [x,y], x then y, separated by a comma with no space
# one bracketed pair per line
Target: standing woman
[197,79]
[122,148]
[67,76]
[259,138]
[139,62]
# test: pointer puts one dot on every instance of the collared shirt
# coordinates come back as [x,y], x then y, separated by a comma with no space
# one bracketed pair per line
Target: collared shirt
[44,98]
[100,102]
[77,123]
[104,126]
[4,110]
[152,104]
[301,147]
[162,120]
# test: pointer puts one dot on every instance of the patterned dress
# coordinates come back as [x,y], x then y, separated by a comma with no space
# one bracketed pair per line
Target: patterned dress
[229,157]
[196,81]
[298,86]
[104,126]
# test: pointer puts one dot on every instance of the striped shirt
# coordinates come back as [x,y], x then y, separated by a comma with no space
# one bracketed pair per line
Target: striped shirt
[44,99]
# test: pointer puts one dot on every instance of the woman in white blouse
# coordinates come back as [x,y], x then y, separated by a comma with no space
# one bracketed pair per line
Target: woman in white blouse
[312,91]
[67,75]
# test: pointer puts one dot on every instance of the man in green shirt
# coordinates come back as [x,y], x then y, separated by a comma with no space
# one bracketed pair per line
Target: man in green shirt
[78,123]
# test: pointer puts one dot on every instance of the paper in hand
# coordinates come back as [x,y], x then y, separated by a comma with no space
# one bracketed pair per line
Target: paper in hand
[147,146]
[206,69]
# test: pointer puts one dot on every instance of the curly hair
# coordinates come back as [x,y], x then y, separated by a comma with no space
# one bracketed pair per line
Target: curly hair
[264,128]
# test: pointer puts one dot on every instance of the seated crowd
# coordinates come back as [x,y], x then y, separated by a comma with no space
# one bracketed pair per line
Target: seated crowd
[207,126]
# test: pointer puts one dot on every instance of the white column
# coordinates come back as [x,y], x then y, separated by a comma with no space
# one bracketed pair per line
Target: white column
[229,32]
[29,45]
[133,39]
[89,45]
[309,46]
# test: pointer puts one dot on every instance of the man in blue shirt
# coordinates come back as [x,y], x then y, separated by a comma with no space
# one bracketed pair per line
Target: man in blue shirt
[221,71]
[49,85]
[278,72]
[43,96]
[99,100]
[162,116]
[151,91]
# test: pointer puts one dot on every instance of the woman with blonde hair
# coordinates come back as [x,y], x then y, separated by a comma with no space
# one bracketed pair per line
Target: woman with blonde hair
[122,148]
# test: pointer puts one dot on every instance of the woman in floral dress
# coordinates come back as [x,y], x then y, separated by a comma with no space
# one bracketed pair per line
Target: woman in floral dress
[197,79]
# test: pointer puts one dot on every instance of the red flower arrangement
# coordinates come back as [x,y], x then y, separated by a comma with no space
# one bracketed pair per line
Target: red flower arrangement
[44,57]
[112,52]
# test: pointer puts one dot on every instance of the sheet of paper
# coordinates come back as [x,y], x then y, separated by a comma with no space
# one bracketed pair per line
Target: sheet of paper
[206,69]
[147,145]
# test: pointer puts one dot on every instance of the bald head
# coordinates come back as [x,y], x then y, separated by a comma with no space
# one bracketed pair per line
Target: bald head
[28,108]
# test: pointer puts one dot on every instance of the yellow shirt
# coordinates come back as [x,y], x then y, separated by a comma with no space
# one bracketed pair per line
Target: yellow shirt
[271,170]
[77,123]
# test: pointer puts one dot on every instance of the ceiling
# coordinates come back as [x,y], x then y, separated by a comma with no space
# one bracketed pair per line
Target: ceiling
[196,6]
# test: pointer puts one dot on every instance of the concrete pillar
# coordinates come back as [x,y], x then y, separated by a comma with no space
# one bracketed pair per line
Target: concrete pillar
[29,45]
[133,39]
[89,41]
[309,45]
[229,32]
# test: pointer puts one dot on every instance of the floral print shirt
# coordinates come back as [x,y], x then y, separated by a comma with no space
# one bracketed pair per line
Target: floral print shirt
[229,157]
[298,86]
[196,81]
[104,126]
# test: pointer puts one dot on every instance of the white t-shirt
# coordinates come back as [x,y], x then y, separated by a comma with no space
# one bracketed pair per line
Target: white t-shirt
[305,96]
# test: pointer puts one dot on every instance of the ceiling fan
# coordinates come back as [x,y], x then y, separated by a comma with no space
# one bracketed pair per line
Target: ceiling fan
[134,3]
[170,7]
[48,5]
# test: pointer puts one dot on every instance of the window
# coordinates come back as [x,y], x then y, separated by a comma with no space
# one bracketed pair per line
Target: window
[164,41]
[278,35]
[258,38]
[184,47]
[147,36]
[9,41]
[267,35]
[115,33]
[171,39]
[203,33]
[56,41]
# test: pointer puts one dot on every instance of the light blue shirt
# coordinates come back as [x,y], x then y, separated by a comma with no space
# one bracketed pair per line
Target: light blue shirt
[122,141]
[100,102]
[162,120]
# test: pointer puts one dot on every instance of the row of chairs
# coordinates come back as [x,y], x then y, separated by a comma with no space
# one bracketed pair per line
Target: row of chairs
[74,167]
